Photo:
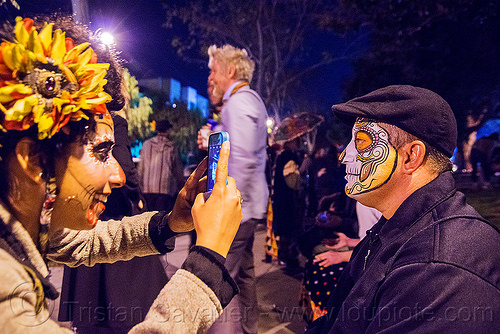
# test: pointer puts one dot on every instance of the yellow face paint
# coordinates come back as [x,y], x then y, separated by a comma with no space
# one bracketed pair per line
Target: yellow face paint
[370,158]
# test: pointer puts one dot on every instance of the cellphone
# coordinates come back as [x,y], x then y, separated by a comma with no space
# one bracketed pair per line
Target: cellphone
[214,144]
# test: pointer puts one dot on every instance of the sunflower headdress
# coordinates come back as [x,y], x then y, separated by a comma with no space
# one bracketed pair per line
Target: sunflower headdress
[46,80]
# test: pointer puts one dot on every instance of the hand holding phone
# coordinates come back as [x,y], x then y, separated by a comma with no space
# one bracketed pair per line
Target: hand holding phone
[214,145]
[217,220]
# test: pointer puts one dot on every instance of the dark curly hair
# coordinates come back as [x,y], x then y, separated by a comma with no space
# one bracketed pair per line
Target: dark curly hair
[49,148]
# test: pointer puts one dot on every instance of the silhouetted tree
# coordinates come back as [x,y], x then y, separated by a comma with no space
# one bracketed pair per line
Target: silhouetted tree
[280,35]
[449,46]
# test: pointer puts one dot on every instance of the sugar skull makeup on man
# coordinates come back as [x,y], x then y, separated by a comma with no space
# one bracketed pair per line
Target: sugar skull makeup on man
[370,158]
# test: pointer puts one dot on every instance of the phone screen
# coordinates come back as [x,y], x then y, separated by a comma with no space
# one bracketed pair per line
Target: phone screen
[214,145]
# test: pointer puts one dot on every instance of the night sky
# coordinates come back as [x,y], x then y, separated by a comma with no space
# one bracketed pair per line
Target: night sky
[137,28]
[138,32]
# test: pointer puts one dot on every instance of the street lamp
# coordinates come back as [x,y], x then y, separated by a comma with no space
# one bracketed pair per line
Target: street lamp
[270,124]
[107,38]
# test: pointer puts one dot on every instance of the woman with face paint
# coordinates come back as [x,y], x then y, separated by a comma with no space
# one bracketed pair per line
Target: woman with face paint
[57,170]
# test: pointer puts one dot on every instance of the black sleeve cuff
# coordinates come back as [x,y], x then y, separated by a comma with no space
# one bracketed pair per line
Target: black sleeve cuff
[208,266]
[162,237]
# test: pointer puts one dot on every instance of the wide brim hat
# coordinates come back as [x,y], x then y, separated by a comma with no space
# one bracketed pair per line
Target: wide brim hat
[297,125]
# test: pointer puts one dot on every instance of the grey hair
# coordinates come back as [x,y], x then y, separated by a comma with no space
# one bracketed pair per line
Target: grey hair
[228,56]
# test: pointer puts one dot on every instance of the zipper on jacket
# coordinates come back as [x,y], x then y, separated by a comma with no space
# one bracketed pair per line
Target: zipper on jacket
[373,238]
[366,259]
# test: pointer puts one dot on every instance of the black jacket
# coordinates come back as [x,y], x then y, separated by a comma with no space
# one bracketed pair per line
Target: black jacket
[287,206]
[434,267]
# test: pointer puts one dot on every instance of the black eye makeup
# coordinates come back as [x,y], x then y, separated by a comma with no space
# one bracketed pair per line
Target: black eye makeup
[102,151]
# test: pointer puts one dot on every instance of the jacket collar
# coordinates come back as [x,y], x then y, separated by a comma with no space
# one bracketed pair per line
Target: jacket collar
[229,91]
[161,140]
[16,241]
[417,205]
[24,239]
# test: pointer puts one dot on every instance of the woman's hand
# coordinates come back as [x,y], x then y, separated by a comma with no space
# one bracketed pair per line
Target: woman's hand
[217,219]
[344,241]
[180,219]
[329,258]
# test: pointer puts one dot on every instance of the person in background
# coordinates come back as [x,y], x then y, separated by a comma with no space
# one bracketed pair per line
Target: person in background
[57,170]
[341,251]
[431,258]
[288,206]
[243,116]
[328,246]
[481,158]
[323,175]
[160,169]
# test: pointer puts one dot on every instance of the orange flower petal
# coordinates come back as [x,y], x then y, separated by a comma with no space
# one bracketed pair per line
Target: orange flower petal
[28,24]
[69,43]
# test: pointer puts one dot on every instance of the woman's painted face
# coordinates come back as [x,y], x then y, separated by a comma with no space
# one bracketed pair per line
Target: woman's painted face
[370,158]
[87,178]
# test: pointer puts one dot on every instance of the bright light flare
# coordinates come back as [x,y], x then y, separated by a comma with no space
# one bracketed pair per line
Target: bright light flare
[270,122]
[107,38]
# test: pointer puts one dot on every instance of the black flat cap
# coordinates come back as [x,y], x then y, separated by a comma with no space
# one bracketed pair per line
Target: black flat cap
[418,111]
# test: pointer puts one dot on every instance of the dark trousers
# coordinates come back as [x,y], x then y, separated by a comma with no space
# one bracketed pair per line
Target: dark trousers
[241,314]
[288,251]
[477,158]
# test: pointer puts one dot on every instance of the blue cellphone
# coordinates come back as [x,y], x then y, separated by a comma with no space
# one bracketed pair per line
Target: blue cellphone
[214,144]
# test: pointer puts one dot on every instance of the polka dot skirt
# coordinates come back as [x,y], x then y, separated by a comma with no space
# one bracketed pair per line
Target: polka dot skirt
[319,282]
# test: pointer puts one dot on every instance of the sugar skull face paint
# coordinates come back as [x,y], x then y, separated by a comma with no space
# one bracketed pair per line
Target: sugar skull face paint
[370,158]
[88,172]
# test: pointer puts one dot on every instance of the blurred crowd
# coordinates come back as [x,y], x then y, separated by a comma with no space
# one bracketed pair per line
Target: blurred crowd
[65,152]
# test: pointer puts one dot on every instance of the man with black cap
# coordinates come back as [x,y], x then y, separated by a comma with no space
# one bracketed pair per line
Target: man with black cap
[431,263]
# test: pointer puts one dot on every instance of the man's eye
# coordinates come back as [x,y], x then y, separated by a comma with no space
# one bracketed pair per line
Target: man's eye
[363,140]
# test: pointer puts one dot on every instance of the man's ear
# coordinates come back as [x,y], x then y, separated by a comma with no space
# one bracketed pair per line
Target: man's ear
[230,72]
[413,156]
[29,162]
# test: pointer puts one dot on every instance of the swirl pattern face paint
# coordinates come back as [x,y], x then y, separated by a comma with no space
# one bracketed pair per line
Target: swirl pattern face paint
[370,158]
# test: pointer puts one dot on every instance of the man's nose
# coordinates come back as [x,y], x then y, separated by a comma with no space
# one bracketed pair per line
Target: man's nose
[349,154]
[116,177]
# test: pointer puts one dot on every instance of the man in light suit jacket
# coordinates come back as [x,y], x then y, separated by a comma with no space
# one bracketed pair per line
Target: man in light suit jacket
[243,116]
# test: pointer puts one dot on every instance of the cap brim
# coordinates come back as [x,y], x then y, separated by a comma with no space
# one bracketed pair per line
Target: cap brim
[347,114]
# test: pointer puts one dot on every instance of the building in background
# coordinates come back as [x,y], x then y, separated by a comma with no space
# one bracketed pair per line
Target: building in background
[176,92]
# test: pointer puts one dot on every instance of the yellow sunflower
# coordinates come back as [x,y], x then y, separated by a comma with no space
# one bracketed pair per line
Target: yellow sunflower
[46,80]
